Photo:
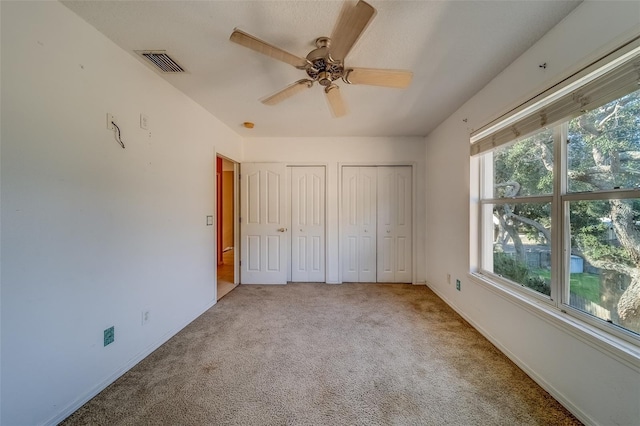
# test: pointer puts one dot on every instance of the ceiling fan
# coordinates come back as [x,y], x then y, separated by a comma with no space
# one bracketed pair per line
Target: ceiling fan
[325,64]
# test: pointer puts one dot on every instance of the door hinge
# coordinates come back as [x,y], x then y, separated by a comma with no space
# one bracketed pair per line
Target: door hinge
[239,220]
[240,263]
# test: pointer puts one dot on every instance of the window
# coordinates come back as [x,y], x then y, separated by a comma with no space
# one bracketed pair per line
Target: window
[559,207]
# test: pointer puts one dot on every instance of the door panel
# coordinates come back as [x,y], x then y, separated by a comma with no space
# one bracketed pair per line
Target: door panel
[263,224]
[350,259]
[359,224]
[394,224]
[367,260]
[403,265]
[273,197]
[368,211]
[252,260]
[351,228]
[308,224]
[385,257]
[251,193]
[274,257]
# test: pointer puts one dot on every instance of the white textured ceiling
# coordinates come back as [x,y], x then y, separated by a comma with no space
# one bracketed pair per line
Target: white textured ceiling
[453,48]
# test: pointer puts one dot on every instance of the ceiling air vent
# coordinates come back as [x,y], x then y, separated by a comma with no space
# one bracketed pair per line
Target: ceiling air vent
[161,61]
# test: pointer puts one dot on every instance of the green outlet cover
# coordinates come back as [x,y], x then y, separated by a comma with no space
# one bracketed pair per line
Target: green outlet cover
[109,335]
[458,285]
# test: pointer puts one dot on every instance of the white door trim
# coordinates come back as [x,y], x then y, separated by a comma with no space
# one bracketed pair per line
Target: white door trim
[236,218]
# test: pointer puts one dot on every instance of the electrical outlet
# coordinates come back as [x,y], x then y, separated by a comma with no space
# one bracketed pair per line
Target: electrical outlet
[109,335]
[448,278]
[458,285]
[145,317]
[110,120]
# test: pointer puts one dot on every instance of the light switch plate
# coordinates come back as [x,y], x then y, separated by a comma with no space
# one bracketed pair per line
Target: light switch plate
[144,122]
[110,120]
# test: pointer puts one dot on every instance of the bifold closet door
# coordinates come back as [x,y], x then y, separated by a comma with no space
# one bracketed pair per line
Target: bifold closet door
[359,212]
[308,224]
[394,242]
[377,224]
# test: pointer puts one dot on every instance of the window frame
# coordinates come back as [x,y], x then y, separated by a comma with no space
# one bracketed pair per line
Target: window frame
[560,199]
[485,215]
[565,287]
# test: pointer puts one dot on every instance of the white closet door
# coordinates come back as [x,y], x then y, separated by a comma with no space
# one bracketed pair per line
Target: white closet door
[263,230]
[394,224]
[307,224]
[359,224]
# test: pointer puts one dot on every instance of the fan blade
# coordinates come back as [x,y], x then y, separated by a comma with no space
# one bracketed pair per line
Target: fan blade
[338,107]
[351,24]
[379,77]
[253,43]
[287,92]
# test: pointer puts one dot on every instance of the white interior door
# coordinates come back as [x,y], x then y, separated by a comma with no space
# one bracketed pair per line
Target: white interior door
[359,224]
[394,245]
[307,224]
[263,231]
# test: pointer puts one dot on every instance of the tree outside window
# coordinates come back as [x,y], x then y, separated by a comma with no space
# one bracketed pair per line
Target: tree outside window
[594,184]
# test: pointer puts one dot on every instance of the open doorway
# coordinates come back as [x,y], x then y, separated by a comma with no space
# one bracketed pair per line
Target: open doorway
[226,225]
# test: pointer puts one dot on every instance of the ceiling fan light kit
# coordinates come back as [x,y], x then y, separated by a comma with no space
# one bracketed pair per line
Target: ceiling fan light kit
[325,64]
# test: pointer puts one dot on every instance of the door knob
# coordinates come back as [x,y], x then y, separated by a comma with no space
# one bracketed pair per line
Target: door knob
[282,230]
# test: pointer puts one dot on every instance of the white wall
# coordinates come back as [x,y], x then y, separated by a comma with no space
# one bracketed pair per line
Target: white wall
[93,234]
[348,150]
[596,385]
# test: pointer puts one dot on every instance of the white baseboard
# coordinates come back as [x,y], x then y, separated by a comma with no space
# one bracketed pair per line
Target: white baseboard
[71,408]
[575,410]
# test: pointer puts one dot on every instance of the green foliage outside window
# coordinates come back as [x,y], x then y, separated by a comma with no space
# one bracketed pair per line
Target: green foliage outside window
[517,271]
[603,154]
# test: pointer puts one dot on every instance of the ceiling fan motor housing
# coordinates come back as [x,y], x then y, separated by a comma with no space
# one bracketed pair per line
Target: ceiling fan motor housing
[322,68]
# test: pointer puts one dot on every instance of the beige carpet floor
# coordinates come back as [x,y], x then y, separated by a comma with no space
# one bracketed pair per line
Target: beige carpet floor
[318,354]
